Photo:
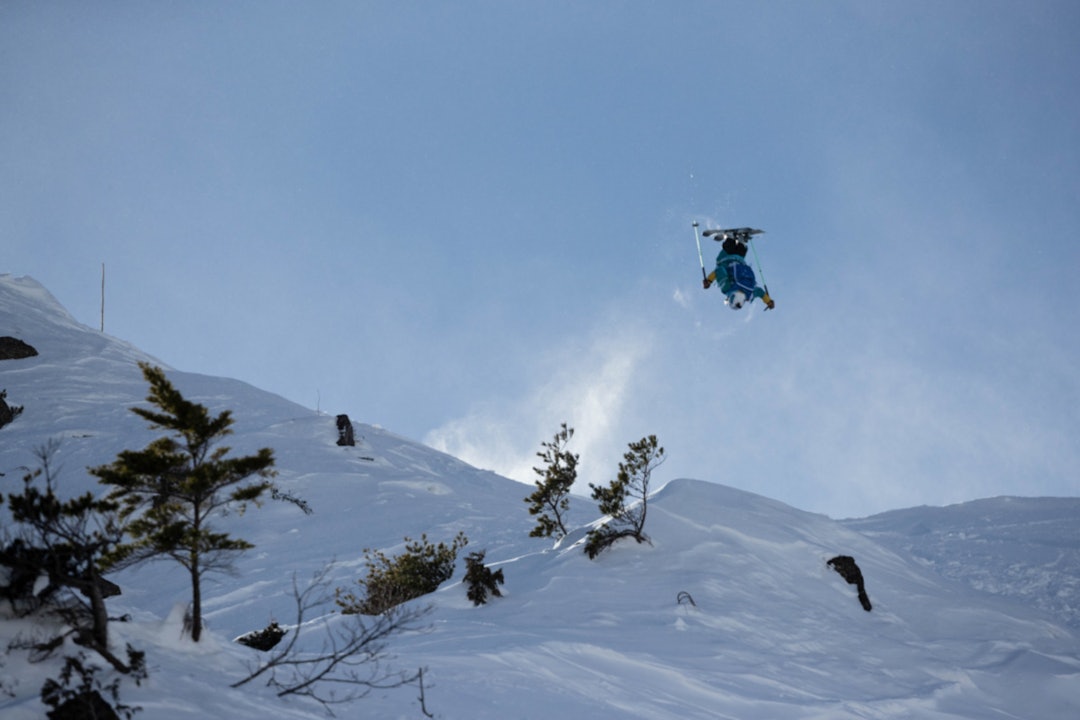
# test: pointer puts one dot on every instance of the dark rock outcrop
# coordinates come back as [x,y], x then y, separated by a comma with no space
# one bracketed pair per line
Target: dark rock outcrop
[845,565]
[264,639]
[345,431]
[7,412]
[26,564]
[15,349]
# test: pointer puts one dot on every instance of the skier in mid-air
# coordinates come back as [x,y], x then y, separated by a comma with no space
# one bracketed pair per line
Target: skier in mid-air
[734,276]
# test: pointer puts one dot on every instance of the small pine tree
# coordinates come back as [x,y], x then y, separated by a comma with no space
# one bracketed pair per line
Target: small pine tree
[626,499]
[170,490]
[420,570]
[551,500]
[480,580]
[64,540]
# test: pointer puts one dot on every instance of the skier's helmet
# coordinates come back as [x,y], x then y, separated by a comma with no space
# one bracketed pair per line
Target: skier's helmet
[736,299]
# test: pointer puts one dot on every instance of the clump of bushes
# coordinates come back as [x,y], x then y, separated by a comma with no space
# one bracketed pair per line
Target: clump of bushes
[265,639]
[391,581]
[480,580]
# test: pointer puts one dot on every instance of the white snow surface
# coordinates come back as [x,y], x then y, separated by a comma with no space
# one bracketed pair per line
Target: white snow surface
[975,606]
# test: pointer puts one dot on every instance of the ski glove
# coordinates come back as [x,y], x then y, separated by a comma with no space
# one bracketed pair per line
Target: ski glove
[706,283]
[769,304]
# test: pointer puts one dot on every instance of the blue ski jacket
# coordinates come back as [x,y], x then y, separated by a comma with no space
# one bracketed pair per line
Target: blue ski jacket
[734,274]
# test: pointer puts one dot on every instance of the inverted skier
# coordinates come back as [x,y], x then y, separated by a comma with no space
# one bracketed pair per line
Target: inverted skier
[733,275]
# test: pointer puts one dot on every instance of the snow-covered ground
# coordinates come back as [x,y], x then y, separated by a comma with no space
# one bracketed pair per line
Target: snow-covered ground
[975,606]
[1024,548]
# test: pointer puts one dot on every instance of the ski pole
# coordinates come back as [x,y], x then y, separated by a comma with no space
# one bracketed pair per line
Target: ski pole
[761,272]
[701,258]
[758,263]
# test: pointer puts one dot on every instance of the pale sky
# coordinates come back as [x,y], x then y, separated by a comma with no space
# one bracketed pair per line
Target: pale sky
[468,222]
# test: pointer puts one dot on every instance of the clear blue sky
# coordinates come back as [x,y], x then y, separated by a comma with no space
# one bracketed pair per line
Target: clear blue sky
[470,221]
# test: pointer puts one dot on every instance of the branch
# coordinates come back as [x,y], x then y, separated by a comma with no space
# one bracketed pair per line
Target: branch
[349,654]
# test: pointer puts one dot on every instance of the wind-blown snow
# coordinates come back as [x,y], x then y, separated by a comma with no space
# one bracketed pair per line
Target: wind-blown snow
[974,605]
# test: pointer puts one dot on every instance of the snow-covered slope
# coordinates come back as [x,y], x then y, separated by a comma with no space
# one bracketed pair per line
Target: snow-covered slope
[80,389]
[772,631]
[1024,548]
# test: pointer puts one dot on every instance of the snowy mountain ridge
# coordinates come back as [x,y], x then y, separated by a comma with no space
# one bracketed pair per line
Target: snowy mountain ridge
[1024,548]
[974,605]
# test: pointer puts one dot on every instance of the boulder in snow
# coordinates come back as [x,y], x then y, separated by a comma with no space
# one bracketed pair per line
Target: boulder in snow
[345,431]
[7,412]
[15,349]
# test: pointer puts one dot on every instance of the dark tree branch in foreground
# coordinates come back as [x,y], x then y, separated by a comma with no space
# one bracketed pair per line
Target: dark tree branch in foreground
[349,662]
[63,540]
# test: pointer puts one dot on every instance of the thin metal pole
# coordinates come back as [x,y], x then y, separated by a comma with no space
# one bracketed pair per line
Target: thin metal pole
[701,257]
[764,284]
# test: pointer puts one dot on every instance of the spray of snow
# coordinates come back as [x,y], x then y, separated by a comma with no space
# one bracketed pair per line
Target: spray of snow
[588,389]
